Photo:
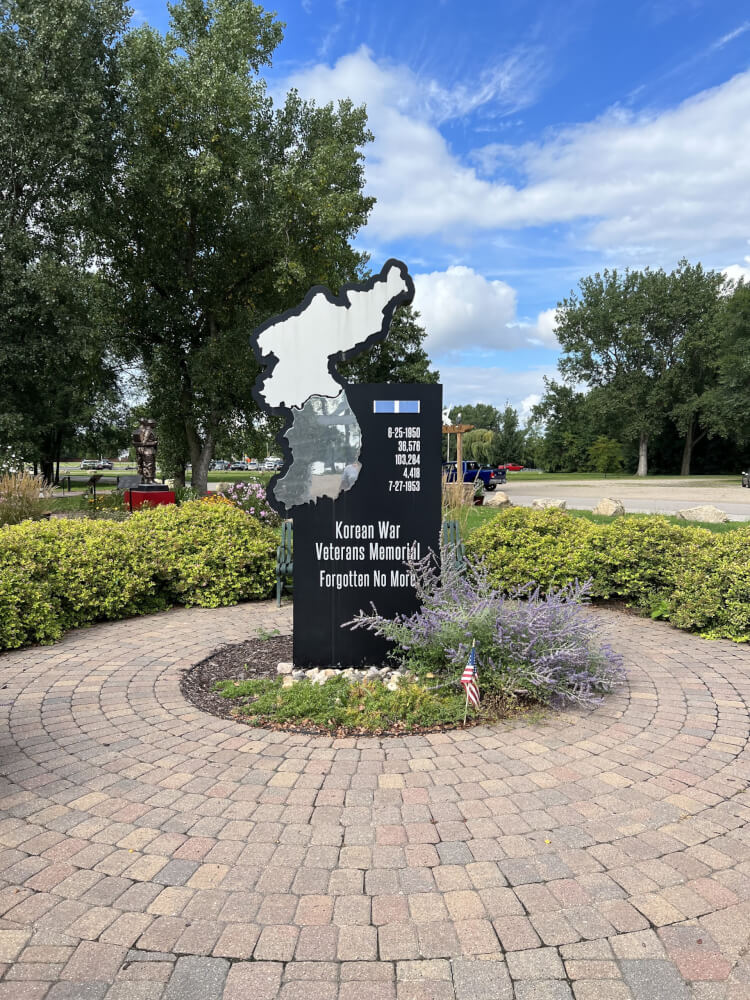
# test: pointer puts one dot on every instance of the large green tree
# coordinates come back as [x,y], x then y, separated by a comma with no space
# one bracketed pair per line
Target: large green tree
[58,118]
[225,211]
[686,310]
[480,415]
[727,401]
[644,337]
[510,439]
[569,427]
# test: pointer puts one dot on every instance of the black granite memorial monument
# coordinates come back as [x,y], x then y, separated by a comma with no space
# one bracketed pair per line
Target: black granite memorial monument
[362,466]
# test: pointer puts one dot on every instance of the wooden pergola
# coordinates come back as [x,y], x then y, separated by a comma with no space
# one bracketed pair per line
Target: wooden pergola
[459,430]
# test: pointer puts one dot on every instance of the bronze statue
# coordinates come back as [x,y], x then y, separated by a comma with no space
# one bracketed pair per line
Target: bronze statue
[146,442]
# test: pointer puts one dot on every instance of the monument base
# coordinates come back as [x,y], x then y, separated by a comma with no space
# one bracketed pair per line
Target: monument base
[153,494]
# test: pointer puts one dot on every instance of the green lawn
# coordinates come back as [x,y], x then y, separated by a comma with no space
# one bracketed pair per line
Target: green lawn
[536,477]
[60,505]
[239,477]
[477,516]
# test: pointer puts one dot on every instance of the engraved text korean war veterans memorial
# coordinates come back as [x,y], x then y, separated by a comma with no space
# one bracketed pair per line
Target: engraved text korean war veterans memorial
[361,478]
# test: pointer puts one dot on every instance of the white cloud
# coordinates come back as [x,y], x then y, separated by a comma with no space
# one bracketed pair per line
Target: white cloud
[527,405]
[463,310]
[544,330]
[494,385]
[675,179]
[731,35]
[738,272]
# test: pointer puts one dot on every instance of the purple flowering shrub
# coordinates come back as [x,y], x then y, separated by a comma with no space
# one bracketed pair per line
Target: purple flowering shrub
[528,644]
[251,497]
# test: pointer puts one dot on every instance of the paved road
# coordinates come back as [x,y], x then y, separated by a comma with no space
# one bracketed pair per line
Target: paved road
[654,496]
[151,852]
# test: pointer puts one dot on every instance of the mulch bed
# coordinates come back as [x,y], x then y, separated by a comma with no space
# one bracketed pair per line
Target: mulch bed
[255,659]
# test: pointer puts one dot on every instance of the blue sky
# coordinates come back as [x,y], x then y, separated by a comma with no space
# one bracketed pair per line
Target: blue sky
[522,144]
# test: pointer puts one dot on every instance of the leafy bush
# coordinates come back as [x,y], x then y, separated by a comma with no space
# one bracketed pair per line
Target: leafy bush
[184,494]
[546,546]
[527,643]
[208,555]
[22,497]
[61,574]
[695,578]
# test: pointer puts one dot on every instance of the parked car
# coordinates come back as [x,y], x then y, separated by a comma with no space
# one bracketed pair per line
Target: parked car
[512,467]
[473,471]
[220,465]
[238,467]
[96,463]
[253,465]
[272,463]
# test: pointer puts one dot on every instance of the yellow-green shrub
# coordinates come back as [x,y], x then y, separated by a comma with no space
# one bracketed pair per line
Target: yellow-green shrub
[60,574]
[547,546]
[712,591]
[208,554]
[641,558]
[697,579]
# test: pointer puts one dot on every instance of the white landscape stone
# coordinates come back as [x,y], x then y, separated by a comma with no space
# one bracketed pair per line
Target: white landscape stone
[285,668]
[610,507]
[545,503]
[496,498]
[707,512]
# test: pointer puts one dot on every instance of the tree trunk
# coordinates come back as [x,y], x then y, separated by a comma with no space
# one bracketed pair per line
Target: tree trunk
[687,454]
[179,478]
[643,455]
[687,451]
[201,453]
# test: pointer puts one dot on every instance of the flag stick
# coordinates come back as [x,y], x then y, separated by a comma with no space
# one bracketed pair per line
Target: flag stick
[466,709]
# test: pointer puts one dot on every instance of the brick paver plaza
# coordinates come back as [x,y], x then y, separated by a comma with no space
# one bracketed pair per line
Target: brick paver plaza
[151,852]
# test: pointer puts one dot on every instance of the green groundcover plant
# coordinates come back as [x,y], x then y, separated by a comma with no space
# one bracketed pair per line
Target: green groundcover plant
[339,706]
[696,579]
[60,574]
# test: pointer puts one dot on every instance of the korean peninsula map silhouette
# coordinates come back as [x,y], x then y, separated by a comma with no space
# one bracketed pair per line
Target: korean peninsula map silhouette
[298,352]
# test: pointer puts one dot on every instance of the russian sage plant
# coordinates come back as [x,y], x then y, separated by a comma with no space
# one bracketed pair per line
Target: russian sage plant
[543,646]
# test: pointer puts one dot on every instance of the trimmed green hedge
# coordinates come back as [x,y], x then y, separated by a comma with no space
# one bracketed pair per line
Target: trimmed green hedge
[56,575]
[697,579]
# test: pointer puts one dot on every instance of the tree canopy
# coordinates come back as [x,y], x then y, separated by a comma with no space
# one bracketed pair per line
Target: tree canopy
[59,109]
[225,211]
[644,339]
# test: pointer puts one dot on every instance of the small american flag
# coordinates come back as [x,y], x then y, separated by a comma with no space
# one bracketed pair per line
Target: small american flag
[469,679]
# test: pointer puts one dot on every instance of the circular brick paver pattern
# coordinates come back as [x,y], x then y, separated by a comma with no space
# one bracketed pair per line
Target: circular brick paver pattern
[151,852]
